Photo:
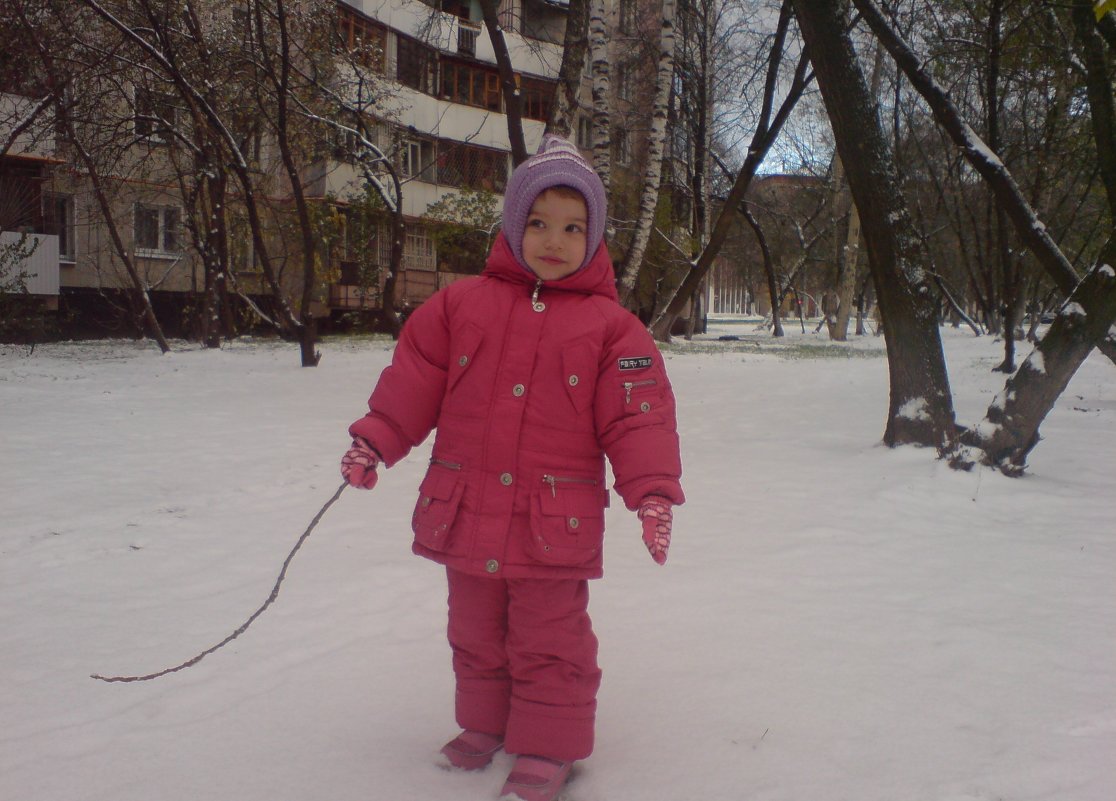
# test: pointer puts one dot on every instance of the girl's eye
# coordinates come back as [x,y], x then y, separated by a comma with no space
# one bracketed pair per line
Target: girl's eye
[574,228]
[535,223]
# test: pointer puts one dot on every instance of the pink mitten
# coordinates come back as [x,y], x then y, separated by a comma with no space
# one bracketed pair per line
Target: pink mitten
[657,517]
[358,465]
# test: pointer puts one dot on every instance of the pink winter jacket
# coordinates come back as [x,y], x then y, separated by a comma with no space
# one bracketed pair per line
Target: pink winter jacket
[529,392]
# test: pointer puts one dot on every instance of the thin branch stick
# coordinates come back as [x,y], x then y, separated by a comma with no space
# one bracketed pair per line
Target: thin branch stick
[244,626]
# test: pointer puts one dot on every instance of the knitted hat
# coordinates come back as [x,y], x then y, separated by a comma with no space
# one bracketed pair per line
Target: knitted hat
[556,164]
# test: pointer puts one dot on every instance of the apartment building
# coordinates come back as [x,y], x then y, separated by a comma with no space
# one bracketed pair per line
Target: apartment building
[441,120]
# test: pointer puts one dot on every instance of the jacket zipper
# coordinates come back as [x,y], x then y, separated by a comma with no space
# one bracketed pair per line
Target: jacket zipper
[444,463]
[553,482]
[630,385]
[535,304]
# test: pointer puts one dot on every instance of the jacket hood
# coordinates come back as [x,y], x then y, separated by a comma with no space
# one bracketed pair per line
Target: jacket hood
[595,278]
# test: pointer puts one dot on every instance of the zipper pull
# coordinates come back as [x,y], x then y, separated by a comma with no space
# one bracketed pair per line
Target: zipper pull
[551,480]
[628,392]
[536,304]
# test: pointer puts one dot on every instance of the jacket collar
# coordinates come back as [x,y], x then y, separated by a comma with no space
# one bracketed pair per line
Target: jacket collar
[595,278]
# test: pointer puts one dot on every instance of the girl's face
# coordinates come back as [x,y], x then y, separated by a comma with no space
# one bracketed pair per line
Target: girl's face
[554,240]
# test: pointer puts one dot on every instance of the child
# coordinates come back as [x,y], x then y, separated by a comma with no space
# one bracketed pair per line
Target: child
[532,373]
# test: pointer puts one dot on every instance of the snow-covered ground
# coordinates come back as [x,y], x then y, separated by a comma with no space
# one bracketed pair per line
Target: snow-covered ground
[837,620]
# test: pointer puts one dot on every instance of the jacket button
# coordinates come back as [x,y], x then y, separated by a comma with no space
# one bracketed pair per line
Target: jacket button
[491,565]
[538,306]
[518,390]
[573,380]
[574,522]
[506,479]
[464,360]
[645,407]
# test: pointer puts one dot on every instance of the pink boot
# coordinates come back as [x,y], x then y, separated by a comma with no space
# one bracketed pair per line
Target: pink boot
[472,750]
[535,778]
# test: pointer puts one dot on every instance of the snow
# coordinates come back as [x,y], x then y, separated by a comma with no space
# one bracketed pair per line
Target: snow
[837,621]
[914,409]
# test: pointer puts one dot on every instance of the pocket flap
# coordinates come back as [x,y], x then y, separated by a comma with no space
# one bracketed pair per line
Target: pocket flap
[439,484]
[464,350]
[579,374]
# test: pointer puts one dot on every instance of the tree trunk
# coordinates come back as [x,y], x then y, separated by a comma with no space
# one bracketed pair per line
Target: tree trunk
[1010,429]
[280,75]
[599,66]
[769,271]
[653,168]
[849,254]
[921,405]
[513,101]
[563,114]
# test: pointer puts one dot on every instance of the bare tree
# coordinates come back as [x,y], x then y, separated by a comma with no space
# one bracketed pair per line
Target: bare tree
[921,406]
[1032,231]
[84,85]
[769,123]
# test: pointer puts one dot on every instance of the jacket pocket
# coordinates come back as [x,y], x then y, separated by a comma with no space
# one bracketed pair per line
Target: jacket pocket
[567,521]
[439,498]
[642,396]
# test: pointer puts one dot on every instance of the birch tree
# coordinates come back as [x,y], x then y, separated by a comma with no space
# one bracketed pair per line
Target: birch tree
[563,112]
[599,68]
[652,171]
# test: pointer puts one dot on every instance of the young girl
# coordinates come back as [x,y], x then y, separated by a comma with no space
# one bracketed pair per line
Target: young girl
[531,373]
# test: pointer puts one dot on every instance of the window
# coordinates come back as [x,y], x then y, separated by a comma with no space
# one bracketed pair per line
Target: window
[537,98]
[417,160]
[623,146]
[344,145]
[623,82]
[157,230]
[418,249]
[467,34]
[242,252]
[471,167]
[414,64]
[157,115]
[58,219]
[509,15]
[362,38]
[585,133]
[471,84]
[627,16]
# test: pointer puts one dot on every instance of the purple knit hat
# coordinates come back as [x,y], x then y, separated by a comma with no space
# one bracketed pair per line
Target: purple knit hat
[556,164]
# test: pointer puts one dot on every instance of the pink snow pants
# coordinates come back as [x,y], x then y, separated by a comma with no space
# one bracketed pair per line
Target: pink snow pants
[525,659]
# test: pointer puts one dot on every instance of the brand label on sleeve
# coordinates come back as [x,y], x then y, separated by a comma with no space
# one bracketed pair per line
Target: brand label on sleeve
[635,362]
